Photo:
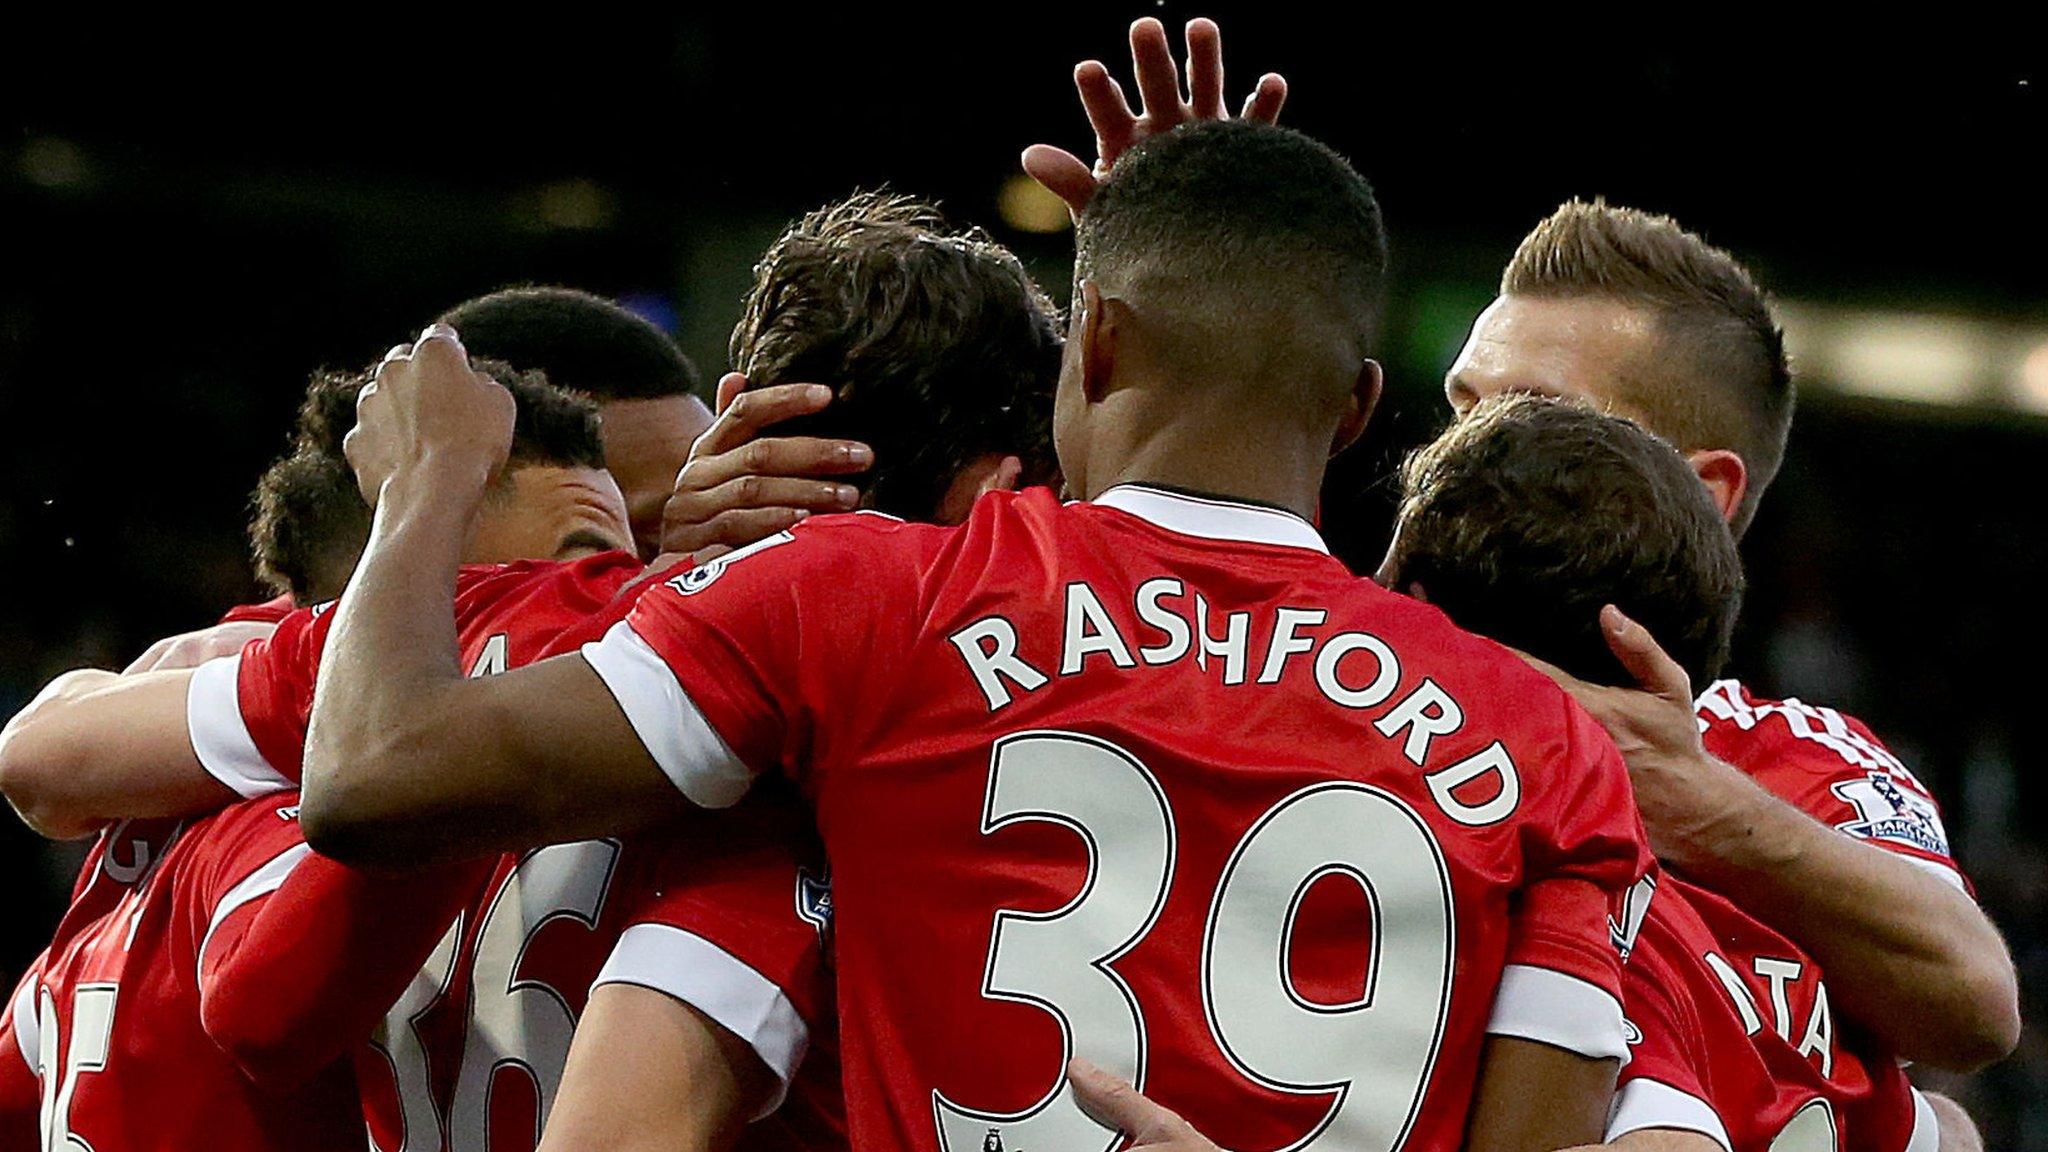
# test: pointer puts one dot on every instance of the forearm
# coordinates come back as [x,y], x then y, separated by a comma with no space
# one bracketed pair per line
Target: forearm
[94,747]
[1910,958]
[374,748]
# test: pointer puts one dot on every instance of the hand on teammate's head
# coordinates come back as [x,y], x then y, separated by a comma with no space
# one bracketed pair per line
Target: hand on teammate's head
[739,486]
[428,407]
[1159,88]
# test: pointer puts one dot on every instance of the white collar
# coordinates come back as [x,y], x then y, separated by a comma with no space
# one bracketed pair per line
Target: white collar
[1213,519]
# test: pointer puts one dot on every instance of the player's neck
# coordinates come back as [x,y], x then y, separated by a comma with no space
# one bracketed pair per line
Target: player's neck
[1225,455]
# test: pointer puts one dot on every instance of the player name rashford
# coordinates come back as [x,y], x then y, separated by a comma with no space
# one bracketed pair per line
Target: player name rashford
[1355,670]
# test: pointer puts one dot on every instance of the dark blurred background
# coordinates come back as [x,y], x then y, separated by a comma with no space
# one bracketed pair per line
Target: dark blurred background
[194,211]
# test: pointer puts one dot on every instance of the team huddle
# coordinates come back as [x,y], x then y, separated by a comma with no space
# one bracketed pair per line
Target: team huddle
[959,737]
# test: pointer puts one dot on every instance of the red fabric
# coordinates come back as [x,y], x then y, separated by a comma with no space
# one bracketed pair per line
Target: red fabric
[1831,766]
[163,1082]
[476,1040]
[830,655]
[1700,977]
[269,612]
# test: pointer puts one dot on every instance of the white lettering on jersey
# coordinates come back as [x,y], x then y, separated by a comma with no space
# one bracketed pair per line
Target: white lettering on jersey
[999,660]
[1090,631]
[1178,636]
[1427,712]
[1493,762]
[1286,642]
[1482,788]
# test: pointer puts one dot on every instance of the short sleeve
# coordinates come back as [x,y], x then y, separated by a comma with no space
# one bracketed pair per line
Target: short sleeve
[733,921]
[1834,768]
[738,666]
[1665,1082]
[247,713]
[1584,850]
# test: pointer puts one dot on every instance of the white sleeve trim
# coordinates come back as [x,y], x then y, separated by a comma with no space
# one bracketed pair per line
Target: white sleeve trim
[691,753]
[1936,868]
[1926,1135]
[699,973]
[256,885]
[220,737]
[1562,1011]
[1644,1103]
[28,1034]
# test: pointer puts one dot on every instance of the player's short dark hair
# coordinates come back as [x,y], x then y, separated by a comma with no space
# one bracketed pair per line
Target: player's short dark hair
[940,347]
[581,340]
[1721,378]
[1248,239]
[1530,513]
[308,522]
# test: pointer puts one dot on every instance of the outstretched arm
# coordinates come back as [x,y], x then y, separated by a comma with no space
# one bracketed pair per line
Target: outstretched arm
[407,762]
[96,746]
[1914,961]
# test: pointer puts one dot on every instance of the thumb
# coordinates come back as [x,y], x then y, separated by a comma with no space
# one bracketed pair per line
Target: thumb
[1112,1101]
[1641,655]
[1062,173]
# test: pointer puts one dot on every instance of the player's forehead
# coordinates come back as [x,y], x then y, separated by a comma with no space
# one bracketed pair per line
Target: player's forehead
[1578,346]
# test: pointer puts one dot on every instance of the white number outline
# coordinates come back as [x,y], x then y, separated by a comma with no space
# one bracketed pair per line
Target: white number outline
[1341,1090]
[990,823]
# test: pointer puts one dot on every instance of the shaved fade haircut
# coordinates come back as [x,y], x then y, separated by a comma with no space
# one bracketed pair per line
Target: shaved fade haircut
[1721,378]
[1259,251]
[939,347]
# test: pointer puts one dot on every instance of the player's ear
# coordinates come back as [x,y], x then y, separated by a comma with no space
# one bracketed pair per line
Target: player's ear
[981,476]
[730,386]
[1726,478]
[1365,396]
[1095,333]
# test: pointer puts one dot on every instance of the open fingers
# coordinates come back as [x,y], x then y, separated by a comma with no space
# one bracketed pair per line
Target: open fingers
[754,410]
[1205,69]
[737,528]
[1158,77]
[775,457]
[1264,104]
[1109,113]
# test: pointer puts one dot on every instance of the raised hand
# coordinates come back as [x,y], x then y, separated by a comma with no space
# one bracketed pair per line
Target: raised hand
[739,487]
[428,408]
[1118,128]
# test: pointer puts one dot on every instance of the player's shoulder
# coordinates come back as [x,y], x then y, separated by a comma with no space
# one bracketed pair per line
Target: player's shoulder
[1746,728]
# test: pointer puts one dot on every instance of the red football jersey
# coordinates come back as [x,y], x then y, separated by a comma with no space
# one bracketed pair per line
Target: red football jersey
[121,1051]
[1732,1037]
[1157,781]
[471,1054]
[1832,767]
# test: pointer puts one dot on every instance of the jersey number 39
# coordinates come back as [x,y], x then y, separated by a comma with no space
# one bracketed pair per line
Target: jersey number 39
[1372,1055]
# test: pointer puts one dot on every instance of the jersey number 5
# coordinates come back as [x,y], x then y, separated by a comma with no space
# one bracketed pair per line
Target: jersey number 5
[1373,1055]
